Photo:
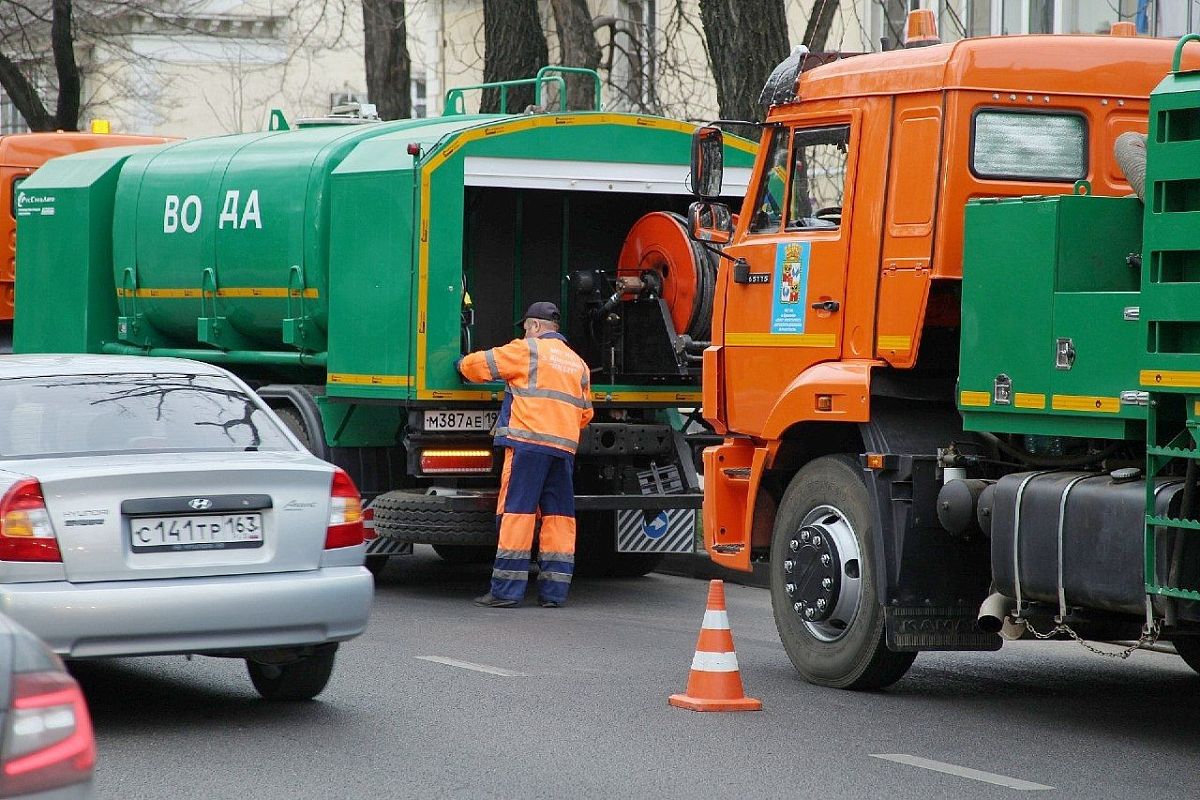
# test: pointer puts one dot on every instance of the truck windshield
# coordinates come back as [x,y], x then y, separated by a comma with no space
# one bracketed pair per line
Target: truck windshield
[69,415]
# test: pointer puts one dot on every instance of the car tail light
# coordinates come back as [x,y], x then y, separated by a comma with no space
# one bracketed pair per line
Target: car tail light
[345,513]
[25,530]
[473,461]
[48,740]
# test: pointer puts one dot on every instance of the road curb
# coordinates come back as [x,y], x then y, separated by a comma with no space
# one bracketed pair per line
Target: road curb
[698,565]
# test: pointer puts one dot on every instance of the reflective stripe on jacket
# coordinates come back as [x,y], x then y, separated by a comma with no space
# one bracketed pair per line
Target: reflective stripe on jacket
[548,396]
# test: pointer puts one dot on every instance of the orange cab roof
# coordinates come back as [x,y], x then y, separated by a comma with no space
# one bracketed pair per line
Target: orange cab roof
[34,149]
[1056,64]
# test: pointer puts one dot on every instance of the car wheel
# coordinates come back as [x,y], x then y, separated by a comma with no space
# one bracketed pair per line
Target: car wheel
[376,564]
[302,679]
[823,580]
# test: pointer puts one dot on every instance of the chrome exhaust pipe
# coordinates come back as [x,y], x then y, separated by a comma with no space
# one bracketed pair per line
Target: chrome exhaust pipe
[993,612]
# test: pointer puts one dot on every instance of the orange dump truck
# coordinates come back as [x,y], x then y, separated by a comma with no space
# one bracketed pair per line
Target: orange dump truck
[836,326]
[20,155]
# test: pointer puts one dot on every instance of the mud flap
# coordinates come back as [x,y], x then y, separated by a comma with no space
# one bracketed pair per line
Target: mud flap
[916,628]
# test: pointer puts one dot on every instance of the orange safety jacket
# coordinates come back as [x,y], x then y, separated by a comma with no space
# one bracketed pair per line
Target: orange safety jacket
[547,400]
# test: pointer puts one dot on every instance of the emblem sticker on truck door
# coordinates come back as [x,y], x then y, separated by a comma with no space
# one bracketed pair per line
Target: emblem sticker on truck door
[791,287]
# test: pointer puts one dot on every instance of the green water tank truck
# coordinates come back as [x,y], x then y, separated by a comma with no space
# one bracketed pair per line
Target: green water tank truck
[343,265]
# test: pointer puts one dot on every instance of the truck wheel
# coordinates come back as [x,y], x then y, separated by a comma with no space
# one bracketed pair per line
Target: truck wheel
[1188,648]
[425,519]
[302,679]
[823,581]
[596,553]
[465,554]
[292,421]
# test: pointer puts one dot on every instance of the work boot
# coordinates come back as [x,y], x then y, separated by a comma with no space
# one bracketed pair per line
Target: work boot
[552,603]
[491,601]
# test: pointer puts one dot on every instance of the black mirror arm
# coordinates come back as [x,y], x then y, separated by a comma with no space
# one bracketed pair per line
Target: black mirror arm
[716,251]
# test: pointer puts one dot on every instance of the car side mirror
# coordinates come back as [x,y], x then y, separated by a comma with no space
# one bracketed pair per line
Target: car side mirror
[708,162]
[710,222]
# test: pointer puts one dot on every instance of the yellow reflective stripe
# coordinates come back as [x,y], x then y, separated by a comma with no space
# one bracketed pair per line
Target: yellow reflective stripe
[1076,402]
[370,380]
[781,339]
[237,291]
[1029,400]
[894,342]
[975,398]
[1156,377]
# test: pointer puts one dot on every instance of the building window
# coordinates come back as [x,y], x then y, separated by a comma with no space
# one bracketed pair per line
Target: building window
[11,120]
[346,97]
[889,17]
[418,94]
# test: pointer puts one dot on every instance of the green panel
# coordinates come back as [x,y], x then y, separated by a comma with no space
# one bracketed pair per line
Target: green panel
[1036,277]
[64,299]
[360,425]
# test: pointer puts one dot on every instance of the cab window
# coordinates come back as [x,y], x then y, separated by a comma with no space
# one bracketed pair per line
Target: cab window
[818,177]
[768,206]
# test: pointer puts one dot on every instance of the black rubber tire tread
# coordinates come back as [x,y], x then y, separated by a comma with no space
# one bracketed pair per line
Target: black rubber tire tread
[1188,648]
[300,680]
[860,659]
[465,554]
[422,519]
[376,564]
[293,422]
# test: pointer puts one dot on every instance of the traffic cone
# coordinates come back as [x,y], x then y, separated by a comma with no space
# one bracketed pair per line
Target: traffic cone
[715,684]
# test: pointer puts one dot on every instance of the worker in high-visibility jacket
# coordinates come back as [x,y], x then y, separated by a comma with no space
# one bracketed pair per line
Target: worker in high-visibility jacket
[547,402]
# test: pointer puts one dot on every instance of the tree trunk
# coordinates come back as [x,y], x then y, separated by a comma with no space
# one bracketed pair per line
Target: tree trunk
[62,43]
[745,40]
[578,48]
[514,47]
[816,35]
[385,53]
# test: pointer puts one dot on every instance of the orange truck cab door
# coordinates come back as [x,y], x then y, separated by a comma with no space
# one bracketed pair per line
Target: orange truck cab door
[795,235]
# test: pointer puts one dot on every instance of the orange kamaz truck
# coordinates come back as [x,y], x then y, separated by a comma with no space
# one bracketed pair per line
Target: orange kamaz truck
[836,334]
[20,155]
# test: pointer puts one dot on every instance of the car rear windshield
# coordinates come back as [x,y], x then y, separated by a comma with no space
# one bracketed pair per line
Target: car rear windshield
[67,415]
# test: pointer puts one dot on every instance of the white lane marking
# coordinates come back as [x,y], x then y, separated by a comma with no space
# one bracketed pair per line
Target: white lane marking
[705,661]
[962,772]
[453,662]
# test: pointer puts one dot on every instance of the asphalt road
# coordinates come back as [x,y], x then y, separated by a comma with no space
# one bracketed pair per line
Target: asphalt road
[574,705]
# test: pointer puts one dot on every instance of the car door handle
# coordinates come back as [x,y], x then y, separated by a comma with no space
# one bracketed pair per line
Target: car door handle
[827,305]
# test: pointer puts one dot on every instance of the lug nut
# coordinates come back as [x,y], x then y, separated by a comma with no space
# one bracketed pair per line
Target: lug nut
[808,612]
[788,566]
[825,560]
[821,604]
[805,536]
[797,606]
[816,541]
[791,588]
[794,544]
[827,583]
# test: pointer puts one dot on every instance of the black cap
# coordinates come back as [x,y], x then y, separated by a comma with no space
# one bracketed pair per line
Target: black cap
[542,310]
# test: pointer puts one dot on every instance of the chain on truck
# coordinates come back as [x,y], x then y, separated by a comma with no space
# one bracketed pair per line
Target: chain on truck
[343,265]
[955,358]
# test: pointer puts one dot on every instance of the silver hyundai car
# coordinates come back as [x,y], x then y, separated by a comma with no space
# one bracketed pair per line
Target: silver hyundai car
[152,506]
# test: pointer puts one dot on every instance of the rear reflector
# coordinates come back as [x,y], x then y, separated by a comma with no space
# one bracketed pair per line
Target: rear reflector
[440,462]
[48,742]
[345,513]
[25,530]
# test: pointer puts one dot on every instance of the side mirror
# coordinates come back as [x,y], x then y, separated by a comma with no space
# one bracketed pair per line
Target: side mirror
[710,222]
[708,161]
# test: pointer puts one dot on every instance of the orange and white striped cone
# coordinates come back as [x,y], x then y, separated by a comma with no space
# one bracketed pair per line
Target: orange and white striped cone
[715,684]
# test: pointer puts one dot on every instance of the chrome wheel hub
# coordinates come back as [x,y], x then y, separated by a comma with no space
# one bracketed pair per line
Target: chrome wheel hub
[822,573]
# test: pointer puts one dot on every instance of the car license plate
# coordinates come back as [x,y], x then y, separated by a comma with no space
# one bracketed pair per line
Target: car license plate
[207,532]
[460,420]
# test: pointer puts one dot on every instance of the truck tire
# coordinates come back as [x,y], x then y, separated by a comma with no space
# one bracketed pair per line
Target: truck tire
[596,553]
[1188,648]
[409,516]
[291,420]
[823,581]
[465,554]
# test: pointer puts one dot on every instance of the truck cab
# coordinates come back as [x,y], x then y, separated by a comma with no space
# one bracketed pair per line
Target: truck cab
[838,320]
